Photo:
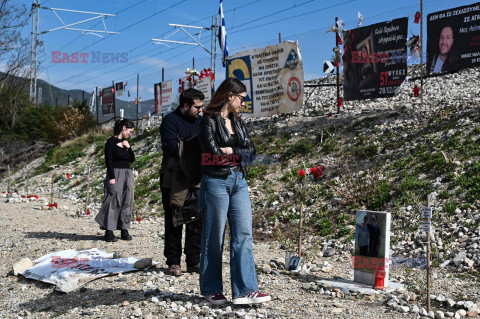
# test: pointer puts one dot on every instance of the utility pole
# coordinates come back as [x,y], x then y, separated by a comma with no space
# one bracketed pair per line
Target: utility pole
[213,55]
[338,69]
[96,101]
[114,102]
[163,79]
[34,51]
[138,80]
[213,49]
[421,53]
[36,36]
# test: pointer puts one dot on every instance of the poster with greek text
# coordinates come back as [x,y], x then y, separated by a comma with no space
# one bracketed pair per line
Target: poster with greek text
[375,60]
[163,97]
[108,100]
[273,77]
[205,85]
[453,39]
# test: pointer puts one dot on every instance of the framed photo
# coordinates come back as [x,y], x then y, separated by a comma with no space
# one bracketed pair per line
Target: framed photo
[294,263]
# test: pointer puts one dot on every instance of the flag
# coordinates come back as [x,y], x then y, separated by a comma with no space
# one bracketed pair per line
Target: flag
[222,35]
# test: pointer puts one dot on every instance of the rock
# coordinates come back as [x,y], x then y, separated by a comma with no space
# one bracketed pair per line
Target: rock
[449,314]
[462,312]
[143,263]
[337,310]
[459,258]
[439,314]
[85,245]
[137,312]
[329,252]
[450,302]
[473,312]
[403,309]
[21,265]
[441,298]
[415,309]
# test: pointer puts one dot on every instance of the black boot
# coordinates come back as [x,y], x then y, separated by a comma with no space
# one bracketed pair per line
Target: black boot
[125,235]
[110,237]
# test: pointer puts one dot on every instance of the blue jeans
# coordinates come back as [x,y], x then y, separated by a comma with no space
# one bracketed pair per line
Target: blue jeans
[222,197]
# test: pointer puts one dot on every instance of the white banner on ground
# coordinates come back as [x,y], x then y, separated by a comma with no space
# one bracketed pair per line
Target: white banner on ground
[70,269]
[205,85]
[273,77]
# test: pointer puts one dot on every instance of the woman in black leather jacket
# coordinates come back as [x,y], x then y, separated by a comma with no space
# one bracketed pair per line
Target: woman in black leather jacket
[226,148]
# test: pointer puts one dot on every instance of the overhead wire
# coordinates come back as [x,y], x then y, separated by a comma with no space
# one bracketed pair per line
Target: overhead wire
[149,41]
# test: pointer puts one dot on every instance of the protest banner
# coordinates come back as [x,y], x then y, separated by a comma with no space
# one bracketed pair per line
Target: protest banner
[453,39]
[163,96]
[205,85]
[375,60]
[273,77]
[107,100]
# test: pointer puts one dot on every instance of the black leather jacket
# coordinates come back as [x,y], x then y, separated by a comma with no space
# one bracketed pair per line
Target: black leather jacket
[213,135]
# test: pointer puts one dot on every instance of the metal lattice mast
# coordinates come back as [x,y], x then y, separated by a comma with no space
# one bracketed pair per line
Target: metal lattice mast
[36,36]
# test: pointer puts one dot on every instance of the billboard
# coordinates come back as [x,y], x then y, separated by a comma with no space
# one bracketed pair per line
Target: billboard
[453,39]
[163,96]
[205,85]
[108,97]
[375,60]
[273,77]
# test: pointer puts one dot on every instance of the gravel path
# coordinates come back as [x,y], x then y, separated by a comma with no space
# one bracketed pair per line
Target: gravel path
[28,231]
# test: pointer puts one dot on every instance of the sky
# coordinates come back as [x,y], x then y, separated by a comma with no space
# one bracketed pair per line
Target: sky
[250,24]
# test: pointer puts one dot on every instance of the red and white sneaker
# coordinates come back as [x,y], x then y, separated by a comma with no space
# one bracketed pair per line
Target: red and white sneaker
[254,297]
[217,299]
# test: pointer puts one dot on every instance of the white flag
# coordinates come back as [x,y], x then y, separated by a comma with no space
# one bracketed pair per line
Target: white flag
[222,35]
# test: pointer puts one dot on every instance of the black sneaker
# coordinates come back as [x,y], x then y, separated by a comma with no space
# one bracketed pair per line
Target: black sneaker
[110,237]
[125,235]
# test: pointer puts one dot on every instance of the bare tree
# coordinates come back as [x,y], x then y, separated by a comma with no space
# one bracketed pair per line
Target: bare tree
[14,61]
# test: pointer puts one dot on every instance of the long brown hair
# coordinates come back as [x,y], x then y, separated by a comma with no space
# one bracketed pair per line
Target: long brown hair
[220,97]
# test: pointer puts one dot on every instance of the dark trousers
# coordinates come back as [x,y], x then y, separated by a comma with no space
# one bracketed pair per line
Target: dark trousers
[173,237]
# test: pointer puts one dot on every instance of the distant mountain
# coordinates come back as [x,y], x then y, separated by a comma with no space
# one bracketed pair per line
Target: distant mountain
[51,95]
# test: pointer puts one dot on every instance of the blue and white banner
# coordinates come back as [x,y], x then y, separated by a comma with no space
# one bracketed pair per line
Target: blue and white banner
[222,35]
[273,76]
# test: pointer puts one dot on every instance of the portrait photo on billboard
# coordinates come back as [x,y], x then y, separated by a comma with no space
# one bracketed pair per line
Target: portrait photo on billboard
[371,242]
[453,39]
[375,60]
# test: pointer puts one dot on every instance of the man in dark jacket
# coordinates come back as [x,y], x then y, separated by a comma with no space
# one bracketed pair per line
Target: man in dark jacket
[184,123]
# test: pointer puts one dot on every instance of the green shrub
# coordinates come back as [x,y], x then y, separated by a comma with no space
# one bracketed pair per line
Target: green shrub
[324,226]
[449,208]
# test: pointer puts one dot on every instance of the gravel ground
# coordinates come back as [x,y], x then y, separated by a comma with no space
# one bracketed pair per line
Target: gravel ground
[30,232]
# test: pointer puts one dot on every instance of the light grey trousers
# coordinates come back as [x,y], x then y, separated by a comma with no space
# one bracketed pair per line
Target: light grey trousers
[117,206]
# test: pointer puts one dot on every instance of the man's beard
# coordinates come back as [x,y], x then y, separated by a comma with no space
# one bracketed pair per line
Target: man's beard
[189,116]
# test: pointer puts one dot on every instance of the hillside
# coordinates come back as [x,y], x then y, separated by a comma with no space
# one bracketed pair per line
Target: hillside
[388,155]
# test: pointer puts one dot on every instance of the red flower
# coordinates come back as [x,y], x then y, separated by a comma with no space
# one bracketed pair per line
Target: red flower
[55,204]
[36,196]
[23,196]
[139,219]
[340,102]
[68,176]
[88,212]
[416,91]
[418,15]
[301,172]
[329,114]
[317,171]
[50,205]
